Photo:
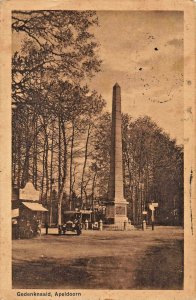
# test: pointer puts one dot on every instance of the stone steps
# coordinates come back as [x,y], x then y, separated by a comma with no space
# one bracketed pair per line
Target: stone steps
[118,227]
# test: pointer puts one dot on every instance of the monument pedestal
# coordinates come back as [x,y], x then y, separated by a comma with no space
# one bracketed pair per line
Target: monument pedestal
[116,212]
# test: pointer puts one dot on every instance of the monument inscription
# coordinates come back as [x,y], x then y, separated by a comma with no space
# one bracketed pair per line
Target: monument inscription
[120,210]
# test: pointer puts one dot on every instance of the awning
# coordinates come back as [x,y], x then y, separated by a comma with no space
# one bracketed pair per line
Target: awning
[15,213]
[71,212]
[34,206]
[85,211]
[82,211]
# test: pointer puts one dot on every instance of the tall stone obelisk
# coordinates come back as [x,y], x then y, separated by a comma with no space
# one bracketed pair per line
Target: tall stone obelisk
[116,208]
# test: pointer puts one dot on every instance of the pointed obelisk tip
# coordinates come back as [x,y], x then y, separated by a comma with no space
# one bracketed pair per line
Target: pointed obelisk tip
[116,85]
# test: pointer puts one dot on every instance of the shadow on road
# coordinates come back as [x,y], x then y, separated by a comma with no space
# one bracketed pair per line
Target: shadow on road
[160,268]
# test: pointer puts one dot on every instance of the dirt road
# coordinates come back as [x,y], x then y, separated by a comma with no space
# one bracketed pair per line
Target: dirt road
[101,260]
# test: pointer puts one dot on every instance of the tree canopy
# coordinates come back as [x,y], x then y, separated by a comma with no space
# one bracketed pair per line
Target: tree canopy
[61,132]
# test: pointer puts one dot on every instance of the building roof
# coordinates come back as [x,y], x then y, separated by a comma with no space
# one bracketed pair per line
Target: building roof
[82,211]
[15,213]
[29,193]
[34,206]
[85,211]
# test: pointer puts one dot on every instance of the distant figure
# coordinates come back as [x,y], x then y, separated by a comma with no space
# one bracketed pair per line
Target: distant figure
[46,226]
[39,227]
[152,225]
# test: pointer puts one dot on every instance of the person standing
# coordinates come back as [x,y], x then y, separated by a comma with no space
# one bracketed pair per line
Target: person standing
[39,227]
[46,226]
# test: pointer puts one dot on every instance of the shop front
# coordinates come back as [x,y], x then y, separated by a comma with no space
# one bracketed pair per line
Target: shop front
[27,213]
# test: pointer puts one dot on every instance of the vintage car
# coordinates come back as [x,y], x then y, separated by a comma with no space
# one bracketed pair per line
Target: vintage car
[71,222]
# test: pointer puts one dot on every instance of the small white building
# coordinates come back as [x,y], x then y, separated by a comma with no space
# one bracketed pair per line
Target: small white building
[27,212]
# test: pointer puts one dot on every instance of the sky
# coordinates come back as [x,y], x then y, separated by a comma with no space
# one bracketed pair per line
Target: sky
[143,52]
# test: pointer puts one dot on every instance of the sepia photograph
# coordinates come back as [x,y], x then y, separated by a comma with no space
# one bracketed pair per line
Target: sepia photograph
[99,186]
[97,153]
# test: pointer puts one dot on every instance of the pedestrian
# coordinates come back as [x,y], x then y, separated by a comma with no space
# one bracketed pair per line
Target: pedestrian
[152,219]
[39,227]
[152,225]
[46,226]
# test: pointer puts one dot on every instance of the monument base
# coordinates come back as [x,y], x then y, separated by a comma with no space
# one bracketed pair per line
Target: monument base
[116,212]
[118,227]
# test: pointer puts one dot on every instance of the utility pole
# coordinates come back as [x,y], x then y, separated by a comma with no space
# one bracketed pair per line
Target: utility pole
[152,207]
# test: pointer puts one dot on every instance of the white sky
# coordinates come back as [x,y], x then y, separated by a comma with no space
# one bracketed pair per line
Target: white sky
[151,80]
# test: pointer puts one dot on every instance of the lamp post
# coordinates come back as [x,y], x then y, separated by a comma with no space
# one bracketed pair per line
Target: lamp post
[141,191]
[152,207]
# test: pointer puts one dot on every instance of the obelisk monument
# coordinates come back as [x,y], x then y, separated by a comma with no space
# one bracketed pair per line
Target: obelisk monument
[116,208]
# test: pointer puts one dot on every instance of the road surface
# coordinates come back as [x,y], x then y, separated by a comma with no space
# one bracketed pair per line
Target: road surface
[101,260]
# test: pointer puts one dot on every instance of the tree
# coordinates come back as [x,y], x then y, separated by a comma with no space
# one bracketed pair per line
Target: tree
[100,158]
[55,56]
[152,163]
[53,42]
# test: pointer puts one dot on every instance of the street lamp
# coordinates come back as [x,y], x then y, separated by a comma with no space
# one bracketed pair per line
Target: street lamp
[152,207]
[141,192]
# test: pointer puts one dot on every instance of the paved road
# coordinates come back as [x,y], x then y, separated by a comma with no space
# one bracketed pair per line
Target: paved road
[101,260]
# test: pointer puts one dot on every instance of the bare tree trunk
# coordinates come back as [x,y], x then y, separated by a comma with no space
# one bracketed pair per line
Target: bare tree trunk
[29,143]
[35,155]
[43,169]
[19,161]
[64,174]
[25,175]
[71,167]
[59,156]
[84,165]
[46,168]
[25,171]
[14,157]
[59,173]
[147,182]
[51,175]
[45,164]
[72,187]
[93,189]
